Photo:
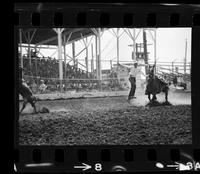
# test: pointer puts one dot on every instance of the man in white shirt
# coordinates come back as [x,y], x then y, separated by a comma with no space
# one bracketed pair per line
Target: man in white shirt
[134,71]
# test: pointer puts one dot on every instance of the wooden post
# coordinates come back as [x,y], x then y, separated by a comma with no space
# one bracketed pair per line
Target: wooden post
[134,57]
[59,35]
[73,53]
[64,47]
[29,49]
[36,69]
[86,59]
[92,61]
[155,54]
[185,58]
[20,41]
[118,54]
[97,66]
[99,57]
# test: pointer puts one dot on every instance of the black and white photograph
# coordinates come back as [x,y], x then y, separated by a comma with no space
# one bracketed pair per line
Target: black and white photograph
[104,86]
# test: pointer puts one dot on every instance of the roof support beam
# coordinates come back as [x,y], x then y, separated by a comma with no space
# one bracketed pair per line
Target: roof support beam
[117,35]
[73,53]
[20,40]
[64,48]
[59,35]
[86,44]
[24,35]
[29,49]
[55,37]
[38,47]
[33,35]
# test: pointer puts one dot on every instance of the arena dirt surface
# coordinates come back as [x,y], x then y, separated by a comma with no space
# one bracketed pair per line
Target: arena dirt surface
[105,121]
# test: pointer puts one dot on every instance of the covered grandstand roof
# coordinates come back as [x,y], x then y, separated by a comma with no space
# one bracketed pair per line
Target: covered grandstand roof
[49,36]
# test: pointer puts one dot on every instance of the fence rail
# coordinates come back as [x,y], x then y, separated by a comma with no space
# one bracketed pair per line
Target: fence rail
[77,78]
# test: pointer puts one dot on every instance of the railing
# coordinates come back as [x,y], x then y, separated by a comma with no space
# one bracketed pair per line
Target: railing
[77,78]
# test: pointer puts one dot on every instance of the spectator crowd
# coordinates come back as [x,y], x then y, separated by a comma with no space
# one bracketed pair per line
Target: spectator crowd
[48,68]
[43,75]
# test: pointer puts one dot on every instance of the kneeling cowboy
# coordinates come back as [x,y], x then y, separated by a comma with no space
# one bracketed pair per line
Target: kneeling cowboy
[133,73]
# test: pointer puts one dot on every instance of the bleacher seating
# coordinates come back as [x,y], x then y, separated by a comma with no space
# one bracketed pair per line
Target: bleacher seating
[47,70]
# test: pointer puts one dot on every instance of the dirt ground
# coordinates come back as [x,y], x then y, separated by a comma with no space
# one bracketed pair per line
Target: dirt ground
[108,121]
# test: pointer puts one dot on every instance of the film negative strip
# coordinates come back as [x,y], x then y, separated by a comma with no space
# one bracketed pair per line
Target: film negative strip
[72,113]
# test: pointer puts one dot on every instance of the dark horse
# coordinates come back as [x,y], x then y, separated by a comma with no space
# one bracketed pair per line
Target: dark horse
[26,93]
[155,86]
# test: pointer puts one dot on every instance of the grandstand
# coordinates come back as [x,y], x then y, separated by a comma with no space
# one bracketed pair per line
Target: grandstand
[60,74]
[47,69]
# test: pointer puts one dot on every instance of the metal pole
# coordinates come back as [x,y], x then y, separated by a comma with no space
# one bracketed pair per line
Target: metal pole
[92,61]
[117,46]
[29,50]
[134,57]
[59,32]
[97,65]
[118,53]
[99,39]
[20,40]
[86,59]
[155,55]
[145,51]
[99,57]
[64,47]
[185,59]
[36,69]
[73,52]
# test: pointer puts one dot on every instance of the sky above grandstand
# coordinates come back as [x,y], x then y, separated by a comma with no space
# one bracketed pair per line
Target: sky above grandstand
[170,46]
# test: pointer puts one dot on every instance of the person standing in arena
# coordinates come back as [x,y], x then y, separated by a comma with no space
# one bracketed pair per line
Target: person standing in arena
[134,71]
[42,87]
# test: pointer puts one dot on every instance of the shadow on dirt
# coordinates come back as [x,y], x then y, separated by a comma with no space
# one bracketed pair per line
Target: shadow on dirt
[43,110]
[156,103]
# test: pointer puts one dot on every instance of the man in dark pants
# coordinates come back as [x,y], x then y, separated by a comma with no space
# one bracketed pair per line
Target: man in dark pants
[133,73]
[133,87]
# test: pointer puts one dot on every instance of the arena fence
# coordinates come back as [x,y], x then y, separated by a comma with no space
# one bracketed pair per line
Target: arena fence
[76,78]
[78,85]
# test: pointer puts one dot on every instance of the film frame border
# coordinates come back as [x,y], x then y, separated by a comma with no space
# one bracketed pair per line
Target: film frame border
[112,15]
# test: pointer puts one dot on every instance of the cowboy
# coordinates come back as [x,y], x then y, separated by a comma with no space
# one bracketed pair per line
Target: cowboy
[134,71]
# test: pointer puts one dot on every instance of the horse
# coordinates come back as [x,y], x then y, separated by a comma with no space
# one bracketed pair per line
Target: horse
[25,92]
[155,86]
[27,95]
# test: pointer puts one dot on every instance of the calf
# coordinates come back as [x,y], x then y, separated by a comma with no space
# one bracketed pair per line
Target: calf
[155,86]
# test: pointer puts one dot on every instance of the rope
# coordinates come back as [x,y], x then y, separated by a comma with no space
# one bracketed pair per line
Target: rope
[71,79]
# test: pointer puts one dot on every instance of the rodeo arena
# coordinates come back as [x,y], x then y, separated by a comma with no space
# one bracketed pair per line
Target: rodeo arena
[78,97]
